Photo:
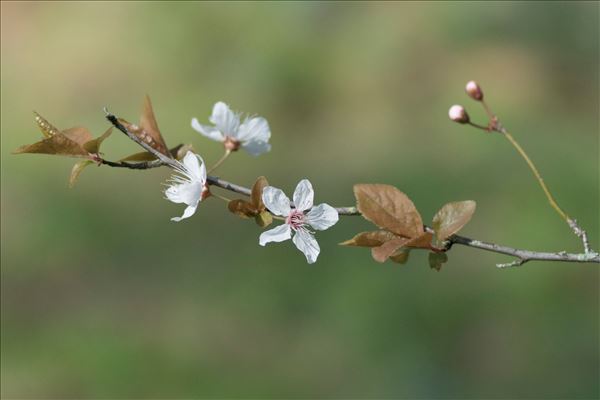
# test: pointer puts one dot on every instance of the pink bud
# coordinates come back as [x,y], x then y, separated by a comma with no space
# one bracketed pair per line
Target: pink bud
[474,90]
[458,114]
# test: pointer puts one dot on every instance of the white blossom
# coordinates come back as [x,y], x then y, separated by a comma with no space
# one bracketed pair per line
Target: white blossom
[252,134]
[298,223]
[188,185]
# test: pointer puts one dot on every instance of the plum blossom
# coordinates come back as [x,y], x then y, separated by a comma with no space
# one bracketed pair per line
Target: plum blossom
[252,134]
[297,224]
[188,185]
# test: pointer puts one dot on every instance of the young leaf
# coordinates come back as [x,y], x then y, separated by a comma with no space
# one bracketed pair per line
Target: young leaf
[383,252]
[242,208]
[451,218]
[93,146]
[177,152]
[257,189]
[76,171]
[370,239]
[48,130]
[400,256]
[421,242]
[78,134]
[148,130]
[264,219]
[58,144]
[436,260]
[388,208]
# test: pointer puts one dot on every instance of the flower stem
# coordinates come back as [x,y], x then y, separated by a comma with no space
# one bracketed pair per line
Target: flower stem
[225,199]
[223,158]
[539,178]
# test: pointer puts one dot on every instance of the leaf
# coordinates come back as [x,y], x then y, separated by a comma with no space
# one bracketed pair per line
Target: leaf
[436,260]
[421,242]
[180,151]
[242,208]
[93,146]
[77,170]
[48,130]
[383,252]
[147,130]
[451,218]
[388,208]
[257,189]
[264,219]
[400,256]
[177,152]
[57,145]
[370,239]
[78,134]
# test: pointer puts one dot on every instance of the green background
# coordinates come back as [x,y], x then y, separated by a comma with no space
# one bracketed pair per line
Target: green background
[103,296]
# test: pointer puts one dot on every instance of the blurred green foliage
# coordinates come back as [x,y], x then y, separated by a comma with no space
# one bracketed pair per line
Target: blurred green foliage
[104,297]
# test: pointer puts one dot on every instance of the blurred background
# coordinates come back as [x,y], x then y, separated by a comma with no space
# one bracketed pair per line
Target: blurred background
[104,297]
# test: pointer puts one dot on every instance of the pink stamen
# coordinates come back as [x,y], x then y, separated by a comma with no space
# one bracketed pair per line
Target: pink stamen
[295,219]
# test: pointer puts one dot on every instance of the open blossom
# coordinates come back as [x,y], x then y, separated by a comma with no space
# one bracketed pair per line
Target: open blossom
[188,185]
[297,224]
[252,134]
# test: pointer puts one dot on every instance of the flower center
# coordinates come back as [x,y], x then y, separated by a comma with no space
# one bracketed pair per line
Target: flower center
[231,144]
[295,219]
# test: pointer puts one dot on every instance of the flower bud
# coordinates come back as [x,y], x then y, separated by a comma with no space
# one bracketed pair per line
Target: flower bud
[458,114]
[474,90]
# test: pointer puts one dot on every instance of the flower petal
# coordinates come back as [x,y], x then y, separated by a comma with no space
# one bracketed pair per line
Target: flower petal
[195,167]
[208,131]
[254,129]
[277,234]
[276,201]
[303,195]
[306,243]
[322,217]
[188,193]
[188,212]
[256,148]
[225,120]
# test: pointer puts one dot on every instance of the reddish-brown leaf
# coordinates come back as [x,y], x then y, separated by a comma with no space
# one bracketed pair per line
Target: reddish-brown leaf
[421,242]
[400,256]
[48,130]
[57,144]
[78,134]
[451,218]
[242,208]
[257,189]
[383,252]
[177,152]
[149,127]
[370,239]
[388,208]
[93,146]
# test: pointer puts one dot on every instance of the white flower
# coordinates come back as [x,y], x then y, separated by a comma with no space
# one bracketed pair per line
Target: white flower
[252,134]
[189,186]
[319,217]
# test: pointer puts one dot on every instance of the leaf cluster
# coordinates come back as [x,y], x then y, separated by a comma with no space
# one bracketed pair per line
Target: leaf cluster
[401,225]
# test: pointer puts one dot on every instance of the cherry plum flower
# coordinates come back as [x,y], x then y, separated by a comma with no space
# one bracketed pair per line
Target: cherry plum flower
[252,134]
[188,185]
[298,224]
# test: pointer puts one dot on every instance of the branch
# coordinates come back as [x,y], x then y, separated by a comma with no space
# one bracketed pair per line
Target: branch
[522,256]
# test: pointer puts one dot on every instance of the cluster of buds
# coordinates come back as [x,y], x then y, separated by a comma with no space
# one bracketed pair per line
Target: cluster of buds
[458,113]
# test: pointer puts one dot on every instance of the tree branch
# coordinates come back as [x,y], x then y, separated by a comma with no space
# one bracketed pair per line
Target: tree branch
[522,256]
